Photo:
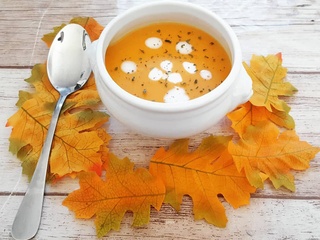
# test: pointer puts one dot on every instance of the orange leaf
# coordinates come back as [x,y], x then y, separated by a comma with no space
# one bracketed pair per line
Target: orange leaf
[93,28]
[78,143]
[264,151]
[124,189]
[203,174]
[248,114]
[268,84]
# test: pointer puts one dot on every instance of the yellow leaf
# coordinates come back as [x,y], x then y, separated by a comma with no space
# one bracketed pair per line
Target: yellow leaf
[203,174]
[93,28]
[78,143]
[124,189]
[264,150]
[248,114]
[268,84]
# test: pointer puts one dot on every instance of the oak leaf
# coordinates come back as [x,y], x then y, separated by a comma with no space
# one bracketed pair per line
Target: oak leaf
[248,114]
[267,74]
[124,189]
[203,174]
[93,28]
[265,152]
[78,143]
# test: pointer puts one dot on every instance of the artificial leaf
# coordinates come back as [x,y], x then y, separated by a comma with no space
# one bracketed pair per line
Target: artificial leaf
[263,150]
[78,143]
[124,189]
[44,91]
[203,174]
[93,28]
[267,74]
[248,114]
[75,147]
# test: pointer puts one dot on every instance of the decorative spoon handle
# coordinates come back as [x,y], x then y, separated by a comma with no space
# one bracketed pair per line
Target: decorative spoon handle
[27,220]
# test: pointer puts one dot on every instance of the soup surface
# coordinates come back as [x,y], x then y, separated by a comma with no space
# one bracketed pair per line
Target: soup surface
[167,62]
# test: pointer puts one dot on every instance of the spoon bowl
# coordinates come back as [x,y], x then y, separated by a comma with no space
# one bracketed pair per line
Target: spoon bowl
[68,69]
[68,64]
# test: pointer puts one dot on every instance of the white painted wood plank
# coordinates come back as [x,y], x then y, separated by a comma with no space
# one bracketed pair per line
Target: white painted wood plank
[267,27]
[262,219]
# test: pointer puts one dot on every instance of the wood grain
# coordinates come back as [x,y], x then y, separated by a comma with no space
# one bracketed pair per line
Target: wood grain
[262,219]
[264,27]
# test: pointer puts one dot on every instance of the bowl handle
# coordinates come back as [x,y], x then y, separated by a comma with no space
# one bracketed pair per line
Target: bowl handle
[243,89]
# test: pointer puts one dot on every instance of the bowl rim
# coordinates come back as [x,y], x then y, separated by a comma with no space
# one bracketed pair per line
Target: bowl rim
[162,106]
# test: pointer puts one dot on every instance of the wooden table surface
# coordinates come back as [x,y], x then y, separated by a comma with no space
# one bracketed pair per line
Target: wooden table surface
[263,27]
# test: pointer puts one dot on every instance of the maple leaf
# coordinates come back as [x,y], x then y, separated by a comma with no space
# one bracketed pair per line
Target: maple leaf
[248,114]
[203,174]
[124,189]
[78,143]
[268,84]
[264,152]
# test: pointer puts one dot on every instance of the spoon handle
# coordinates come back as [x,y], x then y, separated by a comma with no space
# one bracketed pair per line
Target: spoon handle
[27,220]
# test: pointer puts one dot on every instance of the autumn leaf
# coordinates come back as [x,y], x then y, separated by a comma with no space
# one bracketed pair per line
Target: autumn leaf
[124,189]
[203,174]
[248,114]
[267,74]
[264,151]
[78,143]
[93,28]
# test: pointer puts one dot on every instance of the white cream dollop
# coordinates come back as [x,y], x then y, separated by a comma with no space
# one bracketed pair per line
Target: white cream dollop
[166,65]
[128,67]
[176,94]
[155,74]
[174,78]
[153,42]
[189,67]
[206,74]
[184,47]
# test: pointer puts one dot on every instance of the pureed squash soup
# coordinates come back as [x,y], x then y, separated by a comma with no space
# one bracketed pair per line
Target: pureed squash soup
[167,62]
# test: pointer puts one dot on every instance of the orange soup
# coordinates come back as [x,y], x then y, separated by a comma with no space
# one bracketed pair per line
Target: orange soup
[167,62]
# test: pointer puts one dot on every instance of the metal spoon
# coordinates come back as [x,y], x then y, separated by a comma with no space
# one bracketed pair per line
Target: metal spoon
[68,69]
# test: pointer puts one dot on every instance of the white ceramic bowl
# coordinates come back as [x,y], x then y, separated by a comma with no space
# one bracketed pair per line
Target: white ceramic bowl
[171,120]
